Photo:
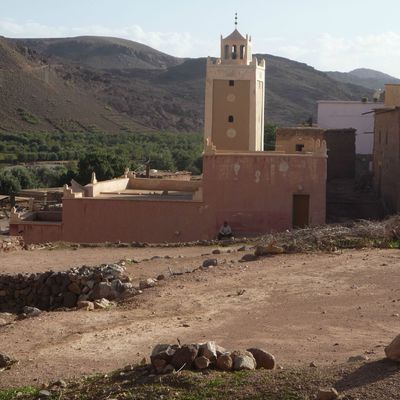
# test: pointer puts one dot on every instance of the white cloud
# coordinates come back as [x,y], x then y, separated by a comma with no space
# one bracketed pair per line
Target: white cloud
[324,52]
[328,52]
[180,44]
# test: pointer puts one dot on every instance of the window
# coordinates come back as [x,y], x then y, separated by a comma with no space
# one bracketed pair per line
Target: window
[242,51]
[231,83]
[380,136]
[234,52]
[230,118]
[226,55]
[387,137]
[299,147]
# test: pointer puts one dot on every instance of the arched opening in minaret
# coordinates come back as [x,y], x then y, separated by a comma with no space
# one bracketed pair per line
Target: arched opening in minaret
[230,118]
[242,51]
[226,52]
[234,52]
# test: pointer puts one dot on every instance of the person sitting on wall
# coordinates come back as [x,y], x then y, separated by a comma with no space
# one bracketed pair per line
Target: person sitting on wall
[225,231]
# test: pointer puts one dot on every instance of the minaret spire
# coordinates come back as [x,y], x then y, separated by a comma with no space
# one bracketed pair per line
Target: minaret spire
[236,20]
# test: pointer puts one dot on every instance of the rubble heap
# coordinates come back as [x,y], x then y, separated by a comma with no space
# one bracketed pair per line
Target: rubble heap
[11,243]
[52,290]
[166,358]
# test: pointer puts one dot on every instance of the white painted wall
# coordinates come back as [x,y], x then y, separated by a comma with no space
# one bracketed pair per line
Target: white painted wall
[349,114]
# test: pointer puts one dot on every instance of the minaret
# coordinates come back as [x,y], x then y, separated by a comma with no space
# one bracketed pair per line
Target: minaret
[234,101]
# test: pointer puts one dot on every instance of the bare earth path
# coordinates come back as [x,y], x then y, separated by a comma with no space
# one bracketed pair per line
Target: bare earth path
[316,307]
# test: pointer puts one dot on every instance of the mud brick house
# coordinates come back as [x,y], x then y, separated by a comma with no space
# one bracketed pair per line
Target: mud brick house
[386,157]
[255,191]
[340,145]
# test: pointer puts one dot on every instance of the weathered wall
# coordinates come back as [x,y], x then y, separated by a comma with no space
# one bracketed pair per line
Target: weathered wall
[38,232]
[341,144]
[387,158]
[288,138]
[254,191]
[350,114]
[100,220]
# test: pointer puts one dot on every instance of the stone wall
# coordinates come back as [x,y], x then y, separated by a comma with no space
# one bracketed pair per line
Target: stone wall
[52,290]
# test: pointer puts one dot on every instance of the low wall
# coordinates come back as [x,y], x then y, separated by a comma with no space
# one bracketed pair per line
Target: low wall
[156,221]
[51,290]
[37,232]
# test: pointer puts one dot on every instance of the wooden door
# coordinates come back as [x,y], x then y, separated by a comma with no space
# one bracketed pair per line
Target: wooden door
[301,210]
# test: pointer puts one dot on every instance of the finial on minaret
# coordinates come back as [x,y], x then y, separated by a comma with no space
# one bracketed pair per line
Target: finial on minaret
[236,20]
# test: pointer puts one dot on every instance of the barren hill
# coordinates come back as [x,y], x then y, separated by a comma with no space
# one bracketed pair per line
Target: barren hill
[364,77]
[116,85]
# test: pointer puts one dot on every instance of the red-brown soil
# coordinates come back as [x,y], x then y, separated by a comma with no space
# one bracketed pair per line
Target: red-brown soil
[304,307]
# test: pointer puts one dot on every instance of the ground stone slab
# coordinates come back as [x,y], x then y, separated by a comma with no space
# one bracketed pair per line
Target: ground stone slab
[263,358]
[393,350]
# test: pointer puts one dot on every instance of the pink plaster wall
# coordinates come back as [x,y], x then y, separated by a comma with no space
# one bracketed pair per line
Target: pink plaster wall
[38,232]
[100,220]
[252,191]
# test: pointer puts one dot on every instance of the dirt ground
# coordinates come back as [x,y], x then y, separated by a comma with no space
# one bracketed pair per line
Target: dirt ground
[305,307]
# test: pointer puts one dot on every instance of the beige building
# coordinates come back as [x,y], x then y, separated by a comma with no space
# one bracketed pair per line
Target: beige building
[234,101]
[387,150]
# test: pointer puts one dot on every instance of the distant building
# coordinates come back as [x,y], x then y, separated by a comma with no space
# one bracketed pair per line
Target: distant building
[333,114]
[386,159]
[254,191]
[340,145]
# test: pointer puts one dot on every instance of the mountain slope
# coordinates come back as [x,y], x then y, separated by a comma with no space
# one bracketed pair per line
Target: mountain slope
[368,78]
[116,85]
[35,96]
[101,52]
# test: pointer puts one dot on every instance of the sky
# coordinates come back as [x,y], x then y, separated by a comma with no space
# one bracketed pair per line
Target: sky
[338,35]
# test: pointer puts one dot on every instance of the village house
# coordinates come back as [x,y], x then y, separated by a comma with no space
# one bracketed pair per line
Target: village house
[386,158]
[254,190]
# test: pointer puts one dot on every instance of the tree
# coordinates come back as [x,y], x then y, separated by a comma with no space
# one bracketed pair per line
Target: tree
[269,137]
[105,165]
[8,183]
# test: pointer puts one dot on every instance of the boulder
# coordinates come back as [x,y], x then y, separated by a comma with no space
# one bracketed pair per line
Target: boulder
[263,358]
[271,248]
[159,364]
[208,350]
[393,350]
[102,304]
[163,352]
[224,362]
[248,257]
[148,283]
[243,360]
[31,311]
[103,290]
[69,299]
[85,305]
[211,262]
[184,356]
[201,362]
[6,361]
[216,251]
[327,394]
[74,288]
[220,350]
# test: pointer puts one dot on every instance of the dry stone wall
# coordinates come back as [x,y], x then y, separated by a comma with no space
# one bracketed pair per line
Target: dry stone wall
[53,290]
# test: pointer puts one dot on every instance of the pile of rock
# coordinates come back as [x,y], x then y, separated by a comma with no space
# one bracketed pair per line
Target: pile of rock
[166,358]
[11,243]
[52,290]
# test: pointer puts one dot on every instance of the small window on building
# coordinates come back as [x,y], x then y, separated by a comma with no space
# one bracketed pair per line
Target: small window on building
[231,83]
[242,50]
[230,118]
[226,55]
[299,147]
[387,137]
[234,52]
[380,136]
